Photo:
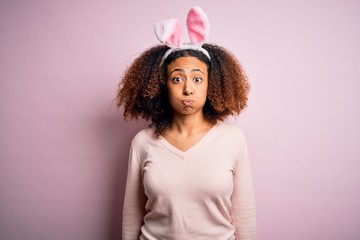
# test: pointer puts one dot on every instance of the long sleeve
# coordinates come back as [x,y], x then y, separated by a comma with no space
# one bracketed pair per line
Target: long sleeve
[243,202]
[135,199]
[204,193]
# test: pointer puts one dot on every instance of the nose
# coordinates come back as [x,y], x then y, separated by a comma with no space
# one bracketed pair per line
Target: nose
[187,88]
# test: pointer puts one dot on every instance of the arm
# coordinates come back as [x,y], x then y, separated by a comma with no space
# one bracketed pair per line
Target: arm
[135,199]
[243,203]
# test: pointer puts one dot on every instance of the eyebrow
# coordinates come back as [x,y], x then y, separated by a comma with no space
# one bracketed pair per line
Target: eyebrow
[182,70]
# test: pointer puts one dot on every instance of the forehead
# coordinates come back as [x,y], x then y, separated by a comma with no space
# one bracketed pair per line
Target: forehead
[187,63]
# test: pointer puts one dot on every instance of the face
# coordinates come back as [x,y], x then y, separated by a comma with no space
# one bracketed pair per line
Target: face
[187,84]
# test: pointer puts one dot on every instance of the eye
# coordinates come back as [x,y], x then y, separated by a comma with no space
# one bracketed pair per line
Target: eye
[177,79]
[197,79]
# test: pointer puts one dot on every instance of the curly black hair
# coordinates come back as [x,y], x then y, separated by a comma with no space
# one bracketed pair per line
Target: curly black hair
[143,91]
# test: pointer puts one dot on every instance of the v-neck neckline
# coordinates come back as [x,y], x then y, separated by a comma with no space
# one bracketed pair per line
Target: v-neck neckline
[182,153]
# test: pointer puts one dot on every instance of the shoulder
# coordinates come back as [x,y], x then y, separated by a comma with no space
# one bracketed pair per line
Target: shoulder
[143,136]
[231,135]
[229,139]
[231,131]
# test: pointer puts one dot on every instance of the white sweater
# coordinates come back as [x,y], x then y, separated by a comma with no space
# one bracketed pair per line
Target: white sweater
[203,193]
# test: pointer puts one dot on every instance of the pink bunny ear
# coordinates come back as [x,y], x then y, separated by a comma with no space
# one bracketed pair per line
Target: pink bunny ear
[198,25]
[169,32]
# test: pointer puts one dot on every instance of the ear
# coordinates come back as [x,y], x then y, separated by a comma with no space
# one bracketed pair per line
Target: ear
[198,25]
[169,32]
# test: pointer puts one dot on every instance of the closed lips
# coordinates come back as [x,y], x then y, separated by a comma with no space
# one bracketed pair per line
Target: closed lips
[187,102]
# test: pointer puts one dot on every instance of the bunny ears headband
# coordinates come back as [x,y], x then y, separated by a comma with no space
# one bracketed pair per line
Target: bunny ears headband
[169,32]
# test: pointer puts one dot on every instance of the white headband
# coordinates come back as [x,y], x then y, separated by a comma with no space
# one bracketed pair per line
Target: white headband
[169,32]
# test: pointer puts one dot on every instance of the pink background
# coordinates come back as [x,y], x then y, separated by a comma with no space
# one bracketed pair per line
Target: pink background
[64,146]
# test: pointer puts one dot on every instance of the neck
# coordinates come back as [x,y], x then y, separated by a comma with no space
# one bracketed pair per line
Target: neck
[188,124]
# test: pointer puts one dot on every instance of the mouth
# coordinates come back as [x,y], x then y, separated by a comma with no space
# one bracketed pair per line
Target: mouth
[187,102]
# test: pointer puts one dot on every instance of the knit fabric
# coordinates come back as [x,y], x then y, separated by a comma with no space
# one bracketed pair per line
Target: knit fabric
[203,193]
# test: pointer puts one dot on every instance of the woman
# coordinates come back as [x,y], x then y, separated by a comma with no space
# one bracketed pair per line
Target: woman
[189,175]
